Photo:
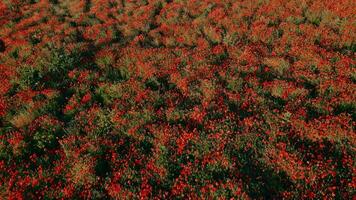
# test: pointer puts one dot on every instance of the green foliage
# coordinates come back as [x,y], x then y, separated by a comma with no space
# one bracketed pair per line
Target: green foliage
[107,94]
[155,99]
[117,74]
[30,77]
[46,136]
[103,124]
[346,107]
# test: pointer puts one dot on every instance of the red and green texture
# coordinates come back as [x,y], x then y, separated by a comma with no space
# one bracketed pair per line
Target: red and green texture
[179,99]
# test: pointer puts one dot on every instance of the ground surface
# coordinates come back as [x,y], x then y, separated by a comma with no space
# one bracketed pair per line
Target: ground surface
[199,99]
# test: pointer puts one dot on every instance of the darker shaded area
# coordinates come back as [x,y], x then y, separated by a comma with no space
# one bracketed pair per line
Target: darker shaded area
[2,46]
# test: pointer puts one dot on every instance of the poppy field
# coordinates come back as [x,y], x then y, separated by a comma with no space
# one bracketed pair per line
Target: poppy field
[177,99]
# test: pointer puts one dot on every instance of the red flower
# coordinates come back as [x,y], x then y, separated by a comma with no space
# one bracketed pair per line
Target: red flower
[219,49]
[2,107]
[86,98]
[197,115]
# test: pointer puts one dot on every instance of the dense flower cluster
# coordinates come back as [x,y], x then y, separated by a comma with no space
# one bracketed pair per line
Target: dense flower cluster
[177,99]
